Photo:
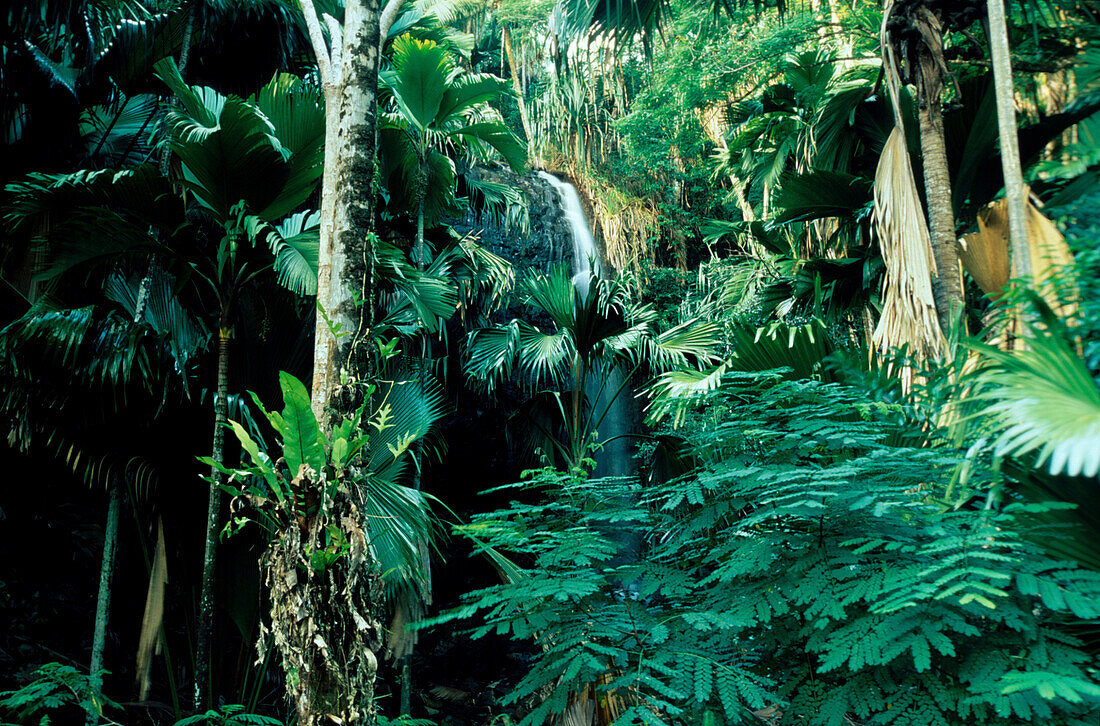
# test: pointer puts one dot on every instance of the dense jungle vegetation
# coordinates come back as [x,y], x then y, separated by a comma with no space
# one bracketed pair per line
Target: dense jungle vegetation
[317,408]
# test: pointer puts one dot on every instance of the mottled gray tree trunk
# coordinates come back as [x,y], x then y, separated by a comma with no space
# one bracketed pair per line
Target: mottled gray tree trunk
[349,75]
[348,64]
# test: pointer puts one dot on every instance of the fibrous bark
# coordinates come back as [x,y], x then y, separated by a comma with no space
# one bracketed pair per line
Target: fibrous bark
[928,68]
[322,613]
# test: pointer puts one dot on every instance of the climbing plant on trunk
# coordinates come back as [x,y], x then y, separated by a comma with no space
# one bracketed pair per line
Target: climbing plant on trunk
[347,62]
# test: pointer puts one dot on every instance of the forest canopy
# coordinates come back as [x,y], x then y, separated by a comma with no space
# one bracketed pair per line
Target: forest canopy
[550,362]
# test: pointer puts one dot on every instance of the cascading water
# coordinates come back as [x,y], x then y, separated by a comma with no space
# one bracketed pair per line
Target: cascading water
[584,247]
[609,399]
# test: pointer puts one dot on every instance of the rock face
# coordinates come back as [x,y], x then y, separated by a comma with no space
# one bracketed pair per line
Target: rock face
[546,241]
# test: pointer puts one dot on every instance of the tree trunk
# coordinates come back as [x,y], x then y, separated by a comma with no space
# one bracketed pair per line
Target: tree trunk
[947,282]
[213,525]
[103,600]
[422,356]
[1015,193]
[340,364]
[343,687]
[506,40]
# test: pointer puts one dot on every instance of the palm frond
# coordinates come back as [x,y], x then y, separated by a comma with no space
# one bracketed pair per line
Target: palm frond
[422,298]
[1043,399]
[675,392]
[294,242]
[800,348]
[141,191]
[500,204]
[690,344]
[184,334]
[491,354]
[419,79]
[413,409]
[119,137]
[545,357]
[908,306]
[236,159]
[553,293]
[297,117]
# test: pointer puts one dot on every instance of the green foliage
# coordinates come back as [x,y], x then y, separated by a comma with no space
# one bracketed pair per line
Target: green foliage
[804,566]
[382,720]
[55,687]
[229,715]
[365,454]
[1043,399]
[436,107]
[596,330]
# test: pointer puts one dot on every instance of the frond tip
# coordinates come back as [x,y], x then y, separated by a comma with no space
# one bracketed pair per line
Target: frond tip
[1044,399]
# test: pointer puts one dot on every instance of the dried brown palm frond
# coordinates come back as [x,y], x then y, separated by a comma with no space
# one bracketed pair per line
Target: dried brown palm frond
[595,705]
[985,255]
[909,316]
[908,306]
[149,642]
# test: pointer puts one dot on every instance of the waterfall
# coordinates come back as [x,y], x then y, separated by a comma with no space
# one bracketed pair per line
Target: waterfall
[608,397]
[584,247]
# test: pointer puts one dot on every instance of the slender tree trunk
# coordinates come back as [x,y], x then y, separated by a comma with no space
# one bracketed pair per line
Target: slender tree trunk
[947,282]
[422,356]
[213,525]
[506,40]
[578,401]
[420,253]
[103,600]
[1015,193]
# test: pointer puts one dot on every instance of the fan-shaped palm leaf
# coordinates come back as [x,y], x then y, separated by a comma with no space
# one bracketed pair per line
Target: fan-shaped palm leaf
[231,161]
[294,243]
[545,357]
[491,354]
[419,80]
[689,344]
[298,122]
[554,294]
[1043,399]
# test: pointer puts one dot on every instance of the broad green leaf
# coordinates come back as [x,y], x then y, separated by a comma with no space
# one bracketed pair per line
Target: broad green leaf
[303,442]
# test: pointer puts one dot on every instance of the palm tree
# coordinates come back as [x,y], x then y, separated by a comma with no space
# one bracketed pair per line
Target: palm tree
[1015,191]
[913,31]
[247,164]
[436,107]
[72,374]
[593,333]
